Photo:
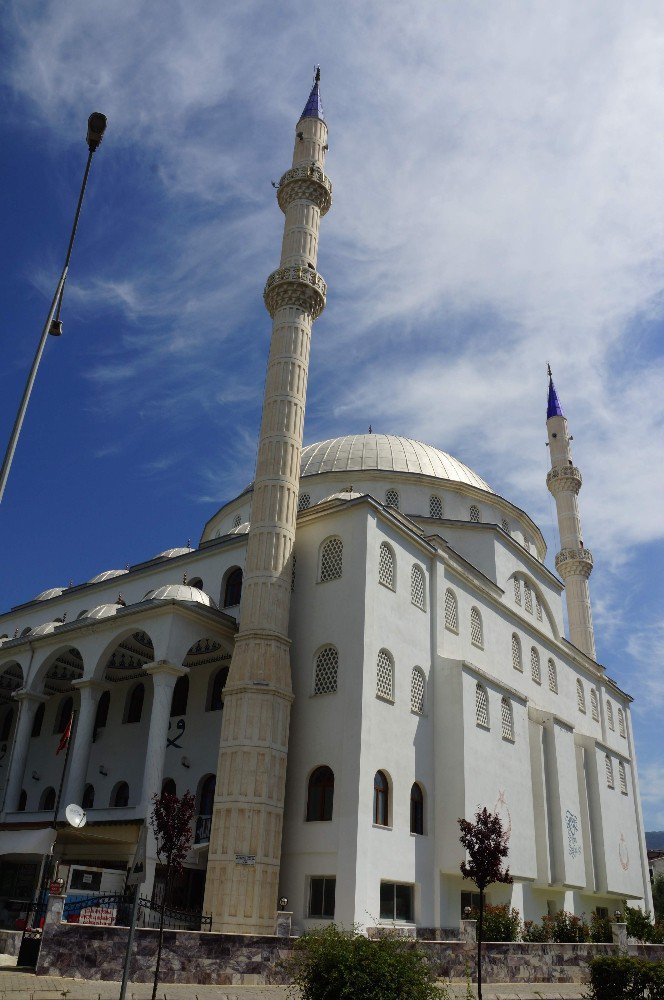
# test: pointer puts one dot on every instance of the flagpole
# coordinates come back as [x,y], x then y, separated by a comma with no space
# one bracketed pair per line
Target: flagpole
[54,822]
[136,878]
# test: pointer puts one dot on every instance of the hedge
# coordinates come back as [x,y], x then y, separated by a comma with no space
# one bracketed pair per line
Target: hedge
[622,978]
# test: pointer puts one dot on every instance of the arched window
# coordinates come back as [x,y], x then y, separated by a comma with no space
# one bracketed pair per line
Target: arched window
[505,525]
[320,795]
[22,801]
[609,716]
[516,653]
[528,597]
[120,795]
[608,764]
[506,720]
[386,566]
[134,709]
[417,691]
[580,697]
[476,634]
[392,499]
[416,809]
[237,520]
[6,726]
[168,787]
[435,506]
[385,676]
[217,690]
[180,696]
[474,513]
[331,559]
[417,587]
[621,723]
[63,715]
[517,590]
[327,669]
[553,677]
[451,611]
[381,809]
[196,582]
[233,588]
[88,797]
[38,720]
[303,501]
[481,706]
[206,796]
[594,704]
[535,670]
[622,776]
[101,716]
[47,801]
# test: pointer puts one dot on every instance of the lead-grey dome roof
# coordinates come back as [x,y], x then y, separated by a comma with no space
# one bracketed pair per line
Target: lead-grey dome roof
[388,453]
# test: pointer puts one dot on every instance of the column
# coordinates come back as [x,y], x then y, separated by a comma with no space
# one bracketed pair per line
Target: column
[28,704]
[79,755]
[164,676]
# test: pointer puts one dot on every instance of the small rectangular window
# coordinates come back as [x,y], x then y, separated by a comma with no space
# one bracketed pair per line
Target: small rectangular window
[470,901]
[321,896]
[396,901]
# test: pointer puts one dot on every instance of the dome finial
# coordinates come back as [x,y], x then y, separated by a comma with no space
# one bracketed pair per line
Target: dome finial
[553,407]
[313,108]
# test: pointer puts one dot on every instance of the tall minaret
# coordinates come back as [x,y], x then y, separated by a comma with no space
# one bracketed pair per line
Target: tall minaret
[574,562]
[245,843]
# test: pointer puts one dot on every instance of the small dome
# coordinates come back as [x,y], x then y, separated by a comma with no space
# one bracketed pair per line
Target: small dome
[241,529]
[171,553]
[46,595]
[103,611]
[180,592]
[45,628]
[108,574]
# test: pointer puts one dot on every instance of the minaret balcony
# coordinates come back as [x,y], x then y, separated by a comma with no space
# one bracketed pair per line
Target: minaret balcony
[564,478]
[295,286]
[307,183]
[574,562]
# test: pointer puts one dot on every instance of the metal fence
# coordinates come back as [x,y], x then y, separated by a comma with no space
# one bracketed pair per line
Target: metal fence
[114,910]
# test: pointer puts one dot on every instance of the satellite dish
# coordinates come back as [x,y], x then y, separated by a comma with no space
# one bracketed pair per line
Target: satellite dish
[76,816]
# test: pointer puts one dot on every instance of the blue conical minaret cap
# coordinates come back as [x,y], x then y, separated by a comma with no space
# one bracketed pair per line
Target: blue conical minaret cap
[313,108]
[553,408]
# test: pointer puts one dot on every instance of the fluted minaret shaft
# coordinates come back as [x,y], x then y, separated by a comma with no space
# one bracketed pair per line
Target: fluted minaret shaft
[245,843]
[574,562]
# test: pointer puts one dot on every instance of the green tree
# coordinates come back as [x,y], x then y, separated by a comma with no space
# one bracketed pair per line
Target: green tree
[658,897]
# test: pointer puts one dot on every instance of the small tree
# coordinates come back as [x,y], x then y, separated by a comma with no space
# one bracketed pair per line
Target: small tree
[658,897]
[171,822]
[486,845]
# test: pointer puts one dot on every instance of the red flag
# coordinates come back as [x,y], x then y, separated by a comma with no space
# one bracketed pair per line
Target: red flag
[65,736]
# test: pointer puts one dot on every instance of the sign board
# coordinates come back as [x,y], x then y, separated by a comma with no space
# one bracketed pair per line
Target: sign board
[245,859]
[139,864]
[98,915]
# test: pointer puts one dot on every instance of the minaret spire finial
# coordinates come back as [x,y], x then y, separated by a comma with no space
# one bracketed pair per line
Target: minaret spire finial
[313,108]
[553,407]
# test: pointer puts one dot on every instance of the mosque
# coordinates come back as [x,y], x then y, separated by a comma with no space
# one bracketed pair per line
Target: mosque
[365,645]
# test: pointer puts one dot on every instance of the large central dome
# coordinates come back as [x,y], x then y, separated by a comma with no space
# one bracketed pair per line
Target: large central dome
[388,453]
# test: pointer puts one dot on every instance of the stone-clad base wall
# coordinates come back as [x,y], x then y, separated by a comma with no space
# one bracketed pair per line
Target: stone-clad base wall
[81,952]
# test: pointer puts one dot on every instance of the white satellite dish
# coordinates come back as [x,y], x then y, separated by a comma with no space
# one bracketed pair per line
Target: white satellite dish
[76,816]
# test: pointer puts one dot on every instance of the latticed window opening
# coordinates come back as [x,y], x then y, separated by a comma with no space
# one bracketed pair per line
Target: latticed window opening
[417,587]
[451,611]
[553,677]
[622,777]
[608,763]
[538,608]
[516,653]
[392,499]
[385,676]
[506,720]
[237,521]
[481,706]
[580,697]
[594,705]
[435,506]
[386,565]
[476,636]
[474,513]
[535,670]
[609,717]
[621,723]
[303,501]
[327,670]
[417,691]
[505,525]
[517,590]
[331,559]
[528,598]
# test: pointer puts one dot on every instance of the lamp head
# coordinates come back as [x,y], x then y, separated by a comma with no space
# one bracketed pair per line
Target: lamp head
[96,129]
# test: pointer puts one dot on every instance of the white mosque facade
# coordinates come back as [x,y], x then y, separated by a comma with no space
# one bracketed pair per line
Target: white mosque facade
[431,676]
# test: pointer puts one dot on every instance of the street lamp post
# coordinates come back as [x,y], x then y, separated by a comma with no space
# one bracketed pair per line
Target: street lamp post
[53,324]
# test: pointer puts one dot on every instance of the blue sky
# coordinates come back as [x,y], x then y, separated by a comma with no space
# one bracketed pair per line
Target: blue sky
[497,205]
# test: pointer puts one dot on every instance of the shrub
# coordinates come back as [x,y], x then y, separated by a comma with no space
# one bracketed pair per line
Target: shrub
[657,933]
[622,978]
[600,930]
[334,964]
[500,923]
[568,928]
[538,932]
[639,924]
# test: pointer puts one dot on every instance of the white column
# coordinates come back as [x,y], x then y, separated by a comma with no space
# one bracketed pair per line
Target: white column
[164,676]
[28,704]
[79,754]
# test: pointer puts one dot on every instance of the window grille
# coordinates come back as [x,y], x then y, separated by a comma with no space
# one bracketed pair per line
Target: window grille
[516,653]
[594,705]
[476,636]
[528,598]
[385,676]
[538,608]
[517,590]
[608,763]
[507,722]
[481,706]
[392,499]
[474,513]
[303,501]
[237,521]
[331,560]
[417,587]
[580,697]
[621,723]
[435,506]
[292,576]
[451,611]
[417,691]
[553,677]
[386,566]
[505,526]
[327,669]
[622,776]
[609,716]
[535,670]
